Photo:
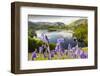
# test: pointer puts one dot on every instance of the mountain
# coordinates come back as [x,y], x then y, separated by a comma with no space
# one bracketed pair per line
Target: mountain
[46,23]
[31,23]
[56,25]
[79,22]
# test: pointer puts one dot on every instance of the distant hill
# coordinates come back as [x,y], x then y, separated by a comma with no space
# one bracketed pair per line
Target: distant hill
[31,23]
[56,25]
[46,23]
[79,22]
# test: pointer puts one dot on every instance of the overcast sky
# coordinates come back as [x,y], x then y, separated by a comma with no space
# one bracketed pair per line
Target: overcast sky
[45,18]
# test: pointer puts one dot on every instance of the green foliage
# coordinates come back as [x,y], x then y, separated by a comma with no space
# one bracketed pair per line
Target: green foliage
[52,46]
[85,49]
[81,33]
[34,43]
[31,33]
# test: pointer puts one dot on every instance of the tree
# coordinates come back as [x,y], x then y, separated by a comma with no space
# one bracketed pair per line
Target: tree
[81,33]
[31,33]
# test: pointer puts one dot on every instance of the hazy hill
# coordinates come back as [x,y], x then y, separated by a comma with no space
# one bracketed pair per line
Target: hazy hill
[79,22]
[55,25]
[46,23]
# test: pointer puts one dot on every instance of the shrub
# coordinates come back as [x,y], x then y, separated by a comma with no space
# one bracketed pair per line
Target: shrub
[52,46]
[34,43]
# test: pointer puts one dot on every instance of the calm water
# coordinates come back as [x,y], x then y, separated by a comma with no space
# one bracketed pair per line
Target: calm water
[54,35]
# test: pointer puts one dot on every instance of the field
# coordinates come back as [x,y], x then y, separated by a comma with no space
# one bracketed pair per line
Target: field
[41,57]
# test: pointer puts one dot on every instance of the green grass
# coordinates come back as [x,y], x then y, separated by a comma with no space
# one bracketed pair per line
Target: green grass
[85,49]
[41,57]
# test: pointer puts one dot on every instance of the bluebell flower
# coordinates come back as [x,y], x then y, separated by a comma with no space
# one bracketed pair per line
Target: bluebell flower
[52,53]
[57,48]
[83,55]
[62,50]
[49,54]
[78,52]
[74,49]
[69,47]
[44,55]
[41,49]
[34,55]
[60,40]
[44,38]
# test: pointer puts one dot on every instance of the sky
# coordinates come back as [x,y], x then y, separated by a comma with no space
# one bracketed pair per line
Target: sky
[48,18]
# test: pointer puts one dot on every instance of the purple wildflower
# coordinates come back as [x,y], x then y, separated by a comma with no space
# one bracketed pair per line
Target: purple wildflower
[80,52]
[40,49]
[66,52]
[62,50]
[60,40]
[74,49]
[52,53]
[49,55]
[34,55]
[55,51]
[83,55]
[77,52]
[57,48]
[61,53]
[69,47]
[44,54]
[44,38]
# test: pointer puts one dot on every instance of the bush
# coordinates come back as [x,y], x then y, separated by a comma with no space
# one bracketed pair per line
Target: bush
[34,43]
[81,33]
[52,46]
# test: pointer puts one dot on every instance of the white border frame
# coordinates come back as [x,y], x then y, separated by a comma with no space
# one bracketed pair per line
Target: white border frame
[25,64]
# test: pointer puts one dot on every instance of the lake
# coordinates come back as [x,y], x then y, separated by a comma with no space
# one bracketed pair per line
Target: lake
[54,35]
